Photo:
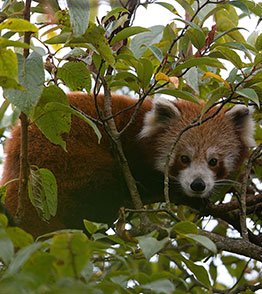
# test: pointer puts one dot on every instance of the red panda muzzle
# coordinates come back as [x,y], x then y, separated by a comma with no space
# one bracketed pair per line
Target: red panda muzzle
[198,185]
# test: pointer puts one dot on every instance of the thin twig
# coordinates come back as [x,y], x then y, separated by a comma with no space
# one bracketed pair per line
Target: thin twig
[241,275]
[243,194]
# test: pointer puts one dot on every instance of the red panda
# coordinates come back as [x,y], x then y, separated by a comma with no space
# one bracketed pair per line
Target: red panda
[89,181]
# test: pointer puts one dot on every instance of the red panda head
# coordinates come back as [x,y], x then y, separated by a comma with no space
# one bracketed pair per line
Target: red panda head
[203,154]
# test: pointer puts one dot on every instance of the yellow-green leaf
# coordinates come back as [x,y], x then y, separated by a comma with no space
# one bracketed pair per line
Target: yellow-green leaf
[161,77]
[212,75]
[18,25]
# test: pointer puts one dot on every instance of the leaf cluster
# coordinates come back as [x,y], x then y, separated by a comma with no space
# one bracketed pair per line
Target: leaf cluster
[69,261]
[187,59]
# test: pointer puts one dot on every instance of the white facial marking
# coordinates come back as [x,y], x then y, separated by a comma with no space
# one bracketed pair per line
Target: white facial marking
[211,153]
[249,131]
[247,126]
[161,160]
[155,118]
[196,170]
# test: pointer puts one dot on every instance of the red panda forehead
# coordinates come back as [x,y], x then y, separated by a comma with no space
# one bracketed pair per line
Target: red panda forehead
[190,111]
[218,125]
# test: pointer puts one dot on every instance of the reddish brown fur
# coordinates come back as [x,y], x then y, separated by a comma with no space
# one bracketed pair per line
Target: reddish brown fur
[89,181]
[86,163]
[216,132]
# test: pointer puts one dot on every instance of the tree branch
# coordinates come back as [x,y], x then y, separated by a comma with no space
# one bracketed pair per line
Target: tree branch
[111,128]
[24,166]
[243,194]
[238,246]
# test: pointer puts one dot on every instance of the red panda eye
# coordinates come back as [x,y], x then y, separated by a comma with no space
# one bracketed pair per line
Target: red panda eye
[212,162]
[185,159]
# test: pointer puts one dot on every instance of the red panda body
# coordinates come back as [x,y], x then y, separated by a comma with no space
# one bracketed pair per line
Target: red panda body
[89,180]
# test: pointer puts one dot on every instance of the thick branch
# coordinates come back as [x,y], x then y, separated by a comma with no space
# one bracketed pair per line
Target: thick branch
[111,127]
[238,246]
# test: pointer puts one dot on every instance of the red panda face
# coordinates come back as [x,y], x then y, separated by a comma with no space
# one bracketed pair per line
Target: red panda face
[204,154]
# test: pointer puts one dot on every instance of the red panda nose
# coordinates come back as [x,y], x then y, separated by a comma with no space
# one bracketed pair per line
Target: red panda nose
[198,185]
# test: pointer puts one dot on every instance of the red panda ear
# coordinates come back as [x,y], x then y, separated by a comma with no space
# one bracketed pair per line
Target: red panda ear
[162,112]
[241,116]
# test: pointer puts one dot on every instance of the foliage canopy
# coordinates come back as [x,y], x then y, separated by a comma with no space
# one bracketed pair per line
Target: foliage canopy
[202,54]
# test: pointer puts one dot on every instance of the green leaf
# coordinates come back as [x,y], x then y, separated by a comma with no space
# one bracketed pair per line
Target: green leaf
[258,59]
[96,36]
[31,77]
[79,11]
[117,25]
[198,270]
[18,25]
[144,71]
[187,6]
[10,83]
[21,258]
[199,62]
[49,189]
[150,245]
[3,190]
[7,43]
[93,227]
[252,38]
[125,75]
[210,13]
[231,56]
[90,227]
[185,228]
[258,171]
[168,6]
[250,94]
[53,124]
[160,286]
[179,94]
[206,242]
[71,252]
[3,221]
[157,52]
[63,38]
[75,75]
[140,43]
[6,247]
[235,45]
[241,6]
[243,47]
[42,189]
[8,63]
[259,42]
[127,32]
[214,96]
[19,237]
[188,23]
[197,37]
[227,27]
[115,12]
[53,107]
